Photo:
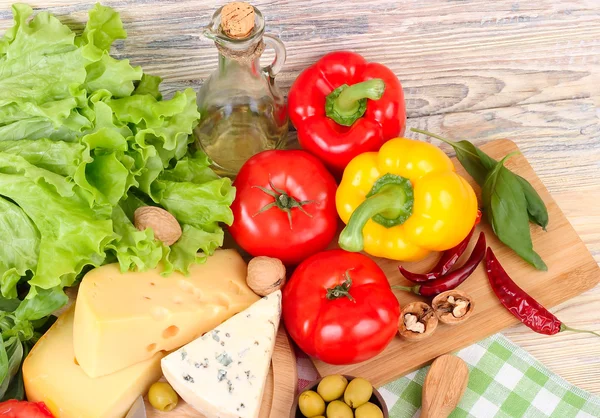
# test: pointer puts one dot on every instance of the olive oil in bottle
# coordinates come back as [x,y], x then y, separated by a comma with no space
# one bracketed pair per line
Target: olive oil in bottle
[242,110]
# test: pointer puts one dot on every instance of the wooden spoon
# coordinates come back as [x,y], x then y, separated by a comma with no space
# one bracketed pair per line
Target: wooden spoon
[444,385]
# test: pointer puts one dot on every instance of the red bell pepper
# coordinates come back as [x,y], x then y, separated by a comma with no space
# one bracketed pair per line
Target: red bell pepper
[343,106]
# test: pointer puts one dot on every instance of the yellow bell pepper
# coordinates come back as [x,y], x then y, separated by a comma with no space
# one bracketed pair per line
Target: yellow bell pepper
[404,201]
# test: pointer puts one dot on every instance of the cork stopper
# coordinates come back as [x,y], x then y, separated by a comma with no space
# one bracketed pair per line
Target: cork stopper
[237,19]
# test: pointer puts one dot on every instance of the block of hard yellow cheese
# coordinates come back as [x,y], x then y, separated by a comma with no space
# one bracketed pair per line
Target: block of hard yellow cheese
[52,376]
[124,318]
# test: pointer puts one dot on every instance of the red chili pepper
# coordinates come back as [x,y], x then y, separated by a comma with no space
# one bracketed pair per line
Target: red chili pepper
[529,311]
[451,280]
[343,106]
[446,262]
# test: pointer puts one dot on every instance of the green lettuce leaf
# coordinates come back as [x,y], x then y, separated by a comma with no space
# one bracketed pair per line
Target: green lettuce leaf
[104,26]
[149,85]
[59,157]
[134,249]
[40,303]
[72,234]
[40,69]
[194,246]
[20,253]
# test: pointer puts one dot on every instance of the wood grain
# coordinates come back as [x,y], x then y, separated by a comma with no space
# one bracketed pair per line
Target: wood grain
[450,56]
[571,271]
[475,69]
[444,385]
[275,403]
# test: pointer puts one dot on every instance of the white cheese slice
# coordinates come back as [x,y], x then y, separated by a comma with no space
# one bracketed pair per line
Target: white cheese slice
[223,373]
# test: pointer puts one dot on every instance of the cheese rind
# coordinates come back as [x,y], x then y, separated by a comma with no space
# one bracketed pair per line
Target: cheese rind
[51,376]
[124,318]
[223,373]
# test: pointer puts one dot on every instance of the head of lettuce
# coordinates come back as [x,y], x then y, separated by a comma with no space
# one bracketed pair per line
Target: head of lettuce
[85,139]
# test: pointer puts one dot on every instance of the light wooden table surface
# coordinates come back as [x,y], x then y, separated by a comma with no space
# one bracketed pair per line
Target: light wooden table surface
[475,69]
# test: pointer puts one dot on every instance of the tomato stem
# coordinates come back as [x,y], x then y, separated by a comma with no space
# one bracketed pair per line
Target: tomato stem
[341,290]
[283,201]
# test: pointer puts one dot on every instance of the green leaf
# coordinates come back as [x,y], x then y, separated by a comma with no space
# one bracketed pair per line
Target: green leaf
[134,200]
[134,249]
[41,303]
[66,246]
[104,26]
[149,85]
[39,69]
[469,158]
[193,168]
[506,209]
[16,388]
[20,252]
[199,205]
[59,157]
[8,305]
[14,351]
[4,364]
[194,246]
[116,76]
[41,326]
[536,208]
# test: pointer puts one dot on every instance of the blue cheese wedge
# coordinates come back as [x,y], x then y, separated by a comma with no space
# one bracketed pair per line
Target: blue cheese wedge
[223,373]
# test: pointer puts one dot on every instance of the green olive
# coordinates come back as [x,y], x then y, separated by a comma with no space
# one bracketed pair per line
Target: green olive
[311,404]
[162,396]
[368,410]
[358,392]
[332,387]
[338,409]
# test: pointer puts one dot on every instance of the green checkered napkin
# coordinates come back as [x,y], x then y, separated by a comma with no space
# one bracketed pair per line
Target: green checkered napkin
[504,381]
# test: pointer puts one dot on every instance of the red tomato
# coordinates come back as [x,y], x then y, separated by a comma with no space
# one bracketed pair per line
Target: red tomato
[339,307]
[23,409]
[284,206]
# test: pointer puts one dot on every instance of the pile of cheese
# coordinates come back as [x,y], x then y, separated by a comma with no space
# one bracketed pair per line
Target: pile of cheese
[107,350]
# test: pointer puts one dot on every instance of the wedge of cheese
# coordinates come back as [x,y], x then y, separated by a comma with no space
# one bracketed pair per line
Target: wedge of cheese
[223,373]
[51,375]
[125,318]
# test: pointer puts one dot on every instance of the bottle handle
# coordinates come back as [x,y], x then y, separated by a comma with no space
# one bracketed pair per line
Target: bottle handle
[280,54]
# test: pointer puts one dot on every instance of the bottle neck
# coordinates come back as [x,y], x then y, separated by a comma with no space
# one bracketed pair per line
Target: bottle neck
[241,56]
[227,63]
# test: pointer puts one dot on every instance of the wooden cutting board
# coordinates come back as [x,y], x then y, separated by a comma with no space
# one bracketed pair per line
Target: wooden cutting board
[275,404]
[571,271]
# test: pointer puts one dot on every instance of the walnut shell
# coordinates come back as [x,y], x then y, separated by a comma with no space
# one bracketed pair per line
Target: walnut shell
[165,226]
[265,275]
[425,314]
[444,309]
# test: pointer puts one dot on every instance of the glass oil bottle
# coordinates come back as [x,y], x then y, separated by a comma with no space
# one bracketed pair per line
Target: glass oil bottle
[242,110]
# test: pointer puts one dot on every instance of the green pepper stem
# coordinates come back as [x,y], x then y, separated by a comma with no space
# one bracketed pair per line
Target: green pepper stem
[347,102]
[389,201]
[412,289]
[564,327]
